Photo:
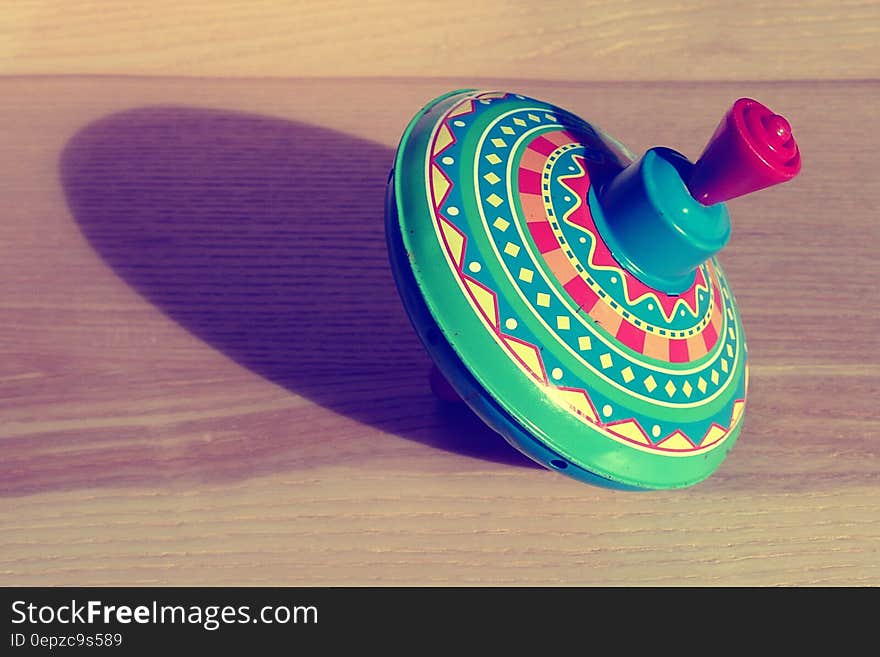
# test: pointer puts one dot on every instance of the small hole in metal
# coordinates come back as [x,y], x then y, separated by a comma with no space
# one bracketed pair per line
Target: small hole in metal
[557,463]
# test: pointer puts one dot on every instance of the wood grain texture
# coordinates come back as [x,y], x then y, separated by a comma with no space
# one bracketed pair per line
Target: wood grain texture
[206,376]
[552,39]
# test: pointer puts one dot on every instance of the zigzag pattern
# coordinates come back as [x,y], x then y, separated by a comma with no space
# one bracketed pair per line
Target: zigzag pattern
[668,345]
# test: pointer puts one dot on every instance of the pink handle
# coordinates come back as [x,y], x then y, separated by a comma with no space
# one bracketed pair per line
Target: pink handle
[752,148]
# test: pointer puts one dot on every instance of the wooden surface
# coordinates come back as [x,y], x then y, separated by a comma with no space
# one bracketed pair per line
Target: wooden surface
[551,39]
[206,376]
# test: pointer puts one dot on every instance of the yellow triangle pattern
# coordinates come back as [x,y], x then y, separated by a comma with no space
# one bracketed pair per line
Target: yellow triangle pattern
[677,442]
[738,408]
[454,239]
[439,184]
[631,430]
[486,301]
[528,354]
[576,400]
[444,138]
[464,108]
[713,435]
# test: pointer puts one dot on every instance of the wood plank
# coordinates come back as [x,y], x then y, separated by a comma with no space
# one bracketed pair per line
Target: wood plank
[595,40]
[206,376]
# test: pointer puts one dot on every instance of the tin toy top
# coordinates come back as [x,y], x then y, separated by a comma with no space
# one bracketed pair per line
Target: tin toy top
[571,295]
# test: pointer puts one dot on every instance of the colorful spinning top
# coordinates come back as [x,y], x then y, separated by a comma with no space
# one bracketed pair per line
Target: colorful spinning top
[570,295]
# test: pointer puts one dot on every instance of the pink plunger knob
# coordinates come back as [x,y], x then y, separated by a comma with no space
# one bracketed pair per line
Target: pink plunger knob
[752,148]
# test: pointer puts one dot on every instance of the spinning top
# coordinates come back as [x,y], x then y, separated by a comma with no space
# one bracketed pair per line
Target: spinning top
[572,297]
